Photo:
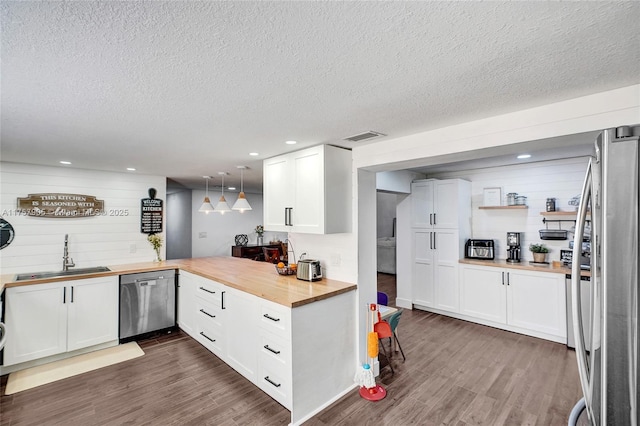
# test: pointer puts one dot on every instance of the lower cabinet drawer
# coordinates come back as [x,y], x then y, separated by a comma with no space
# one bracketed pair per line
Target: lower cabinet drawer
[208,313]
[274,381]
[210,335]
[275,349]
[209,291]
[275,318]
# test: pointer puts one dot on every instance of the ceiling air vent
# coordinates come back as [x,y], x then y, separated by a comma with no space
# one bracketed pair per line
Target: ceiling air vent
[364,136]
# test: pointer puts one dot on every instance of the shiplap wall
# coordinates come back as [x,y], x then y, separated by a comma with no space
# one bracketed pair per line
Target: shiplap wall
[559,179]
[93,241]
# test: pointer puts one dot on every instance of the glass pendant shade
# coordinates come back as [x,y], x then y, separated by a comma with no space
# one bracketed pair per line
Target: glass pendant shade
[206,206]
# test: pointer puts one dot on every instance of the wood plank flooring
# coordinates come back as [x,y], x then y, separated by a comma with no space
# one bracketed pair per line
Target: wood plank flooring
[456,373]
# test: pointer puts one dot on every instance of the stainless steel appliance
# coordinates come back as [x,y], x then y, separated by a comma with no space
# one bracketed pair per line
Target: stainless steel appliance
[479,249]
[585,307]
[147,303]
[309,270]
[608,363]
[513,242]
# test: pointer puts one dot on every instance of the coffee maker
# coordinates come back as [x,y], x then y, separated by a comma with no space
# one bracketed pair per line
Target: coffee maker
[513,242]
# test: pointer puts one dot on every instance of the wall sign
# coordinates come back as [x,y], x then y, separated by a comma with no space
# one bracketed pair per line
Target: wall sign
[6,233]
[151,214]
[55,205]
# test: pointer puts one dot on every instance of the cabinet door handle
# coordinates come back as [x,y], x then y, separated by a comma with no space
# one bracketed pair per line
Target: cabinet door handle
[207,337]
[290,221]
[207,313]
[208,291]
[71,294]
[502,278]
[222,305]
[271,318]
[434,219]
[434,240]
[286,217]
[272,382]
[271,350]
[430,218]
[64,295]
[508,279]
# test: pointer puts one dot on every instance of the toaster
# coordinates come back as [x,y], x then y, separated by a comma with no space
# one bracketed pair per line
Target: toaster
[309,270]
[479,249]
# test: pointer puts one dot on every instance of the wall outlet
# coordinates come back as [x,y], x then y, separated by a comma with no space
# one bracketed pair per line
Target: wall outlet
[202,235]
[132,248]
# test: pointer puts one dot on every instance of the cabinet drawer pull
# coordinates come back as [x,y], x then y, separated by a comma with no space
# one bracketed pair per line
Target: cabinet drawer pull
[271,350]
[207,337]
[208,291]
[272,382]
[207,313]
[271,318]
[222,303]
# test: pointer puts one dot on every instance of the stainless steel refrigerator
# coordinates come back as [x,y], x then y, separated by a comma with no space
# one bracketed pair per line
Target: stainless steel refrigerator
[608,366]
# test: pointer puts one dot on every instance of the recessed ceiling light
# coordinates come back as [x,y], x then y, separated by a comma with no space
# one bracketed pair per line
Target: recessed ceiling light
[291,142]
[523,156]
[131,169]
[65,162]
[253,154]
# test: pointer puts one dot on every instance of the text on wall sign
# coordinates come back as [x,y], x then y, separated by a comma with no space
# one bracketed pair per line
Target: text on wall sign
[60,205]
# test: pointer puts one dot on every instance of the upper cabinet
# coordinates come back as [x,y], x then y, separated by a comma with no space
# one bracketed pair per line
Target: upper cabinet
[440,204]
[309,191]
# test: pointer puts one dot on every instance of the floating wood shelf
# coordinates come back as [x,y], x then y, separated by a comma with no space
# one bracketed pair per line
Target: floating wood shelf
[519,207]
[559,213]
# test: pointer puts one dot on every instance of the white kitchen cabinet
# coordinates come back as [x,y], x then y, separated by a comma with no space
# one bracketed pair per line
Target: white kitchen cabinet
[483,293]
[536,301]
[528,302]
[53,318]
[93,312]
[186,293]
[241,332]
[441,219]
[308,191]
[440,204]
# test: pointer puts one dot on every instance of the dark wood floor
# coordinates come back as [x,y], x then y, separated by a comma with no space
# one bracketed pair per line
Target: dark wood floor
[456,373]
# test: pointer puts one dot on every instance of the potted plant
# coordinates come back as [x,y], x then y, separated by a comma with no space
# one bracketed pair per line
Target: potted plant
[539,252]
[260,231]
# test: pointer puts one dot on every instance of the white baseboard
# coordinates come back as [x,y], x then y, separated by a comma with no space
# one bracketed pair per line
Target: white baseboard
[323,406]
[404,303]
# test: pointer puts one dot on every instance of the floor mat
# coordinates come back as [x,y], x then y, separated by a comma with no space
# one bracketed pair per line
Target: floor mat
[58,370]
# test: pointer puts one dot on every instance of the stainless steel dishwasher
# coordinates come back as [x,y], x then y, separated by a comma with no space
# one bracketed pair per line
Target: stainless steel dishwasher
[147,303]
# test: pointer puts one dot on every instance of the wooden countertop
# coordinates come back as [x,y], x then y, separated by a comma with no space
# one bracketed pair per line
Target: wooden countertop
[524,265]
[258,278]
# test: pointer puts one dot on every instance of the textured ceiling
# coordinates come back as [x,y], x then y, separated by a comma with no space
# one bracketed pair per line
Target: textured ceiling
[186,89]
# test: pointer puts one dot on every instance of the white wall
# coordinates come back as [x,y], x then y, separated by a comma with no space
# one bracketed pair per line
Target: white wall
[93,241]
[385,213]
[178,230]
[213,234]
[560,179]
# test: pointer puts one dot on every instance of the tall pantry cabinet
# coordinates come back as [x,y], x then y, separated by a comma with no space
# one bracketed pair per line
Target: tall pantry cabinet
[440,224]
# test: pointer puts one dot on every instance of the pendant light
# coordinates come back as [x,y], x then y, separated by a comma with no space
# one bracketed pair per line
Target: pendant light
[222,205]
[241,203]
[206,206]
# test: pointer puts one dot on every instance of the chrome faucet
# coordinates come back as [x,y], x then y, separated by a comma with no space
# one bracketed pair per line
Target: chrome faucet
[67,262]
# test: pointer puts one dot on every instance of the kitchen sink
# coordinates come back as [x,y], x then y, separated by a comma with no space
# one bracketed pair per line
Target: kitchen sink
[52,274]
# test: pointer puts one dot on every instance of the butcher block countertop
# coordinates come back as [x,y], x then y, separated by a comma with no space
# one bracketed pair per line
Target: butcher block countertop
[524,265]
[258,278]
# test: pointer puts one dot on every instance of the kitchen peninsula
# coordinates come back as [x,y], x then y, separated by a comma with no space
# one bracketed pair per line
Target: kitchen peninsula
[293,339]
